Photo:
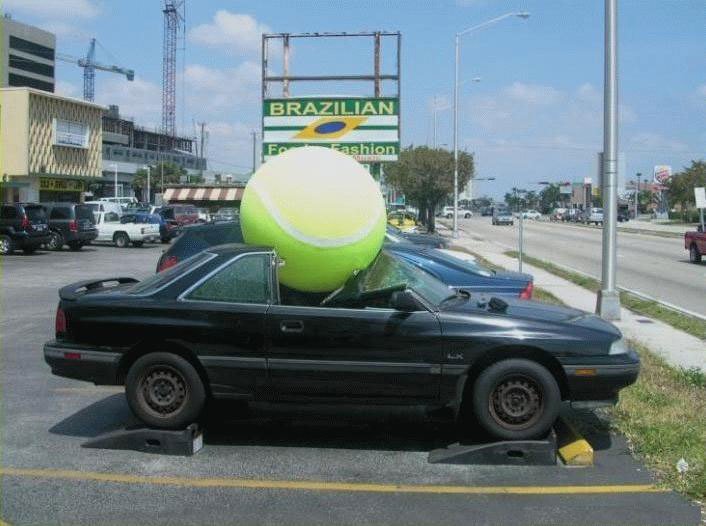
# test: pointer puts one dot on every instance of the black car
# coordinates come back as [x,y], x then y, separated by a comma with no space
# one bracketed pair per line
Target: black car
[196,238]
[218,325]
[23,226]
[395,235]
[70,224]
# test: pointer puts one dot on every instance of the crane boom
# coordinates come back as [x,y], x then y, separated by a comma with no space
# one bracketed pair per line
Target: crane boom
[89,65]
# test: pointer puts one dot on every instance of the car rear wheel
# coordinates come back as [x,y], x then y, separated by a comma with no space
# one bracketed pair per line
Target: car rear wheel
[516,399]
[121,240]
[165,391]
[5,245]
[56,241]
[694,254]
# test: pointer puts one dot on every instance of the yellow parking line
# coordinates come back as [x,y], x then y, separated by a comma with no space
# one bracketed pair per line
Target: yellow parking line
[326,486]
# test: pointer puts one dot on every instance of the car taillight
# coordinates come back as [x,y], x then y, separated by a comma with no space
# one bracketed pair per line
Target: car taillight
[167,262]
[25,223]
[526,293]
[73,226]
[60,322]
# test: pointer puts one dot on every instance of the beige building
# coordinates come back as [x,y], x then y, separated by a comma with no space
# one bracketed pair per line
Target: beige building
[50,146]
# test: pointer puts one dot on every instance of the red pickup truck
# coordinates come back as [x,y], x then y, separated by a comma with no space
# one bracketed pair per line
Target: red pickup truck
[695,243]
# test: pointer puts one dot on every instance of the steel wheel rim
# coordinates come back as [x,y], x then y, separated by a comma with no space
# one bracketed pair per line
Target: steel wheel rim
[163,390]
[4,245]
[516,402]
[54,241]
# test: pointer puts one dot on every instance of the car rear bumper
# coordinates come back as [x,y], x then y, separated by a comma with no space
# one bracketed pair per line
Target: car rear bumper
[81,236]
[82,363]
[598,384]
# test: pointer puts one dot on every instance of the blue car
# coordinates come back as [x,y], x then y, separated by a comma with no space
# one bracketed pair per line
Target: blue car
[462,274]
[168,229]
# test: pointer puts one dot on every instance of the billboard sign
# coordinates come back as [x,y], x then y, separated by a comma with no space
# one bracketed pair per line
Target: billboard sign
[662,174]
[365,128]
[700,196]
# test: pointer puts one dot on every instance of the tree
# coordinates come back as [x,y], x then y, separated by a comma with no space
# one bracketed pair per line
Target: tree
[681,187]
[168,172]
[549,198]
[425,176]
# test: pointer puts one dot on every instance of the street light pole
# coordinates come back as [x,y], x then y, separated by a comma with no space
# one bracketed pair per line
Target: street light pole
[115,182]
[457,52]
[637,194]
[149,190]
[608,301]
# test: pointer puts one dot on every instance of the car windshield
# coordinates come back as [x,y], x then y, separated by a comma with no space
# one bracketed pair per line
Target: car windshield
[389,272]
[157,281]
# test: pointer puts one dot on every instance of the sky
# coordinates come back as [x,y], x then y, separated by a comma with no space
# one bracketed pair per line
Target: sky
[535,115]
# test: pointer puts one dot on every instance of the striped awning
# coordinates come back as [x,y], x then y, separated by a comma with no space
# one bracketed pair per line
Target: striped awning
[196,193]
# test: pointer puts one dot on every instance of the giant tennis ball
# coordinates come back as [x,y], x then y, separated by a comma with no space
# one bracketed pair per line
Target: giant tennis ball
[321,211]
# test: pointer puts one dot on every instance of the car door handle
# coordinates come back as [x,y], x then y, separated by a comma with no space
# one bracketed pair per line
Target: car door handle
[291,326]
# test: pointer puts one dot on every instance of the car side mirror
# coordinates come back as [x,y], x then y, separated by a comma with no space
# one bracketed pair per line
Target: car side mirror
[404,300]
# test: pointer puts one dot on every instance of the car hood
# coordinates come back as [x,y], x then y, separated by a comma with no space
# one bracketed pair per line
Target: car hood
[533,311]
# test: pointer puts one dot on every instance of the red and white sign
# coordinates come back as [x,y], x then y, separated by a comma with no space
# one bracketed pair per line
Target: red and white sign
[662,174]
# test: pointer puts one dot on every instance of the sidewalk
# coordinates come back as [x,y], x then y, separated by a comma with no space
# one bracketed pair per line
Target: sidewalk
[676,347]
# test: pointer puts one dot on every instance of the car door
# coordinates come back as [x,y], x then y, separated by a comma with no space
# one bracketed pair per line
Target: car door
[358,354]
[226,316]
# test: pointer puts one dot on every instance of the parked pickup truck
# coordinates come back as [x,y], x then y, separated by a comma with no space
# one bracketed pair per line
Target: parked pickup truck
[695,243]
[110,229]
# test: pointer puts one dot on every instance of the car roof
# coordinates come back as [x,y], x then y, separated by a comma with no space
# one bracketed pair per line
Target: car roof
[236,248]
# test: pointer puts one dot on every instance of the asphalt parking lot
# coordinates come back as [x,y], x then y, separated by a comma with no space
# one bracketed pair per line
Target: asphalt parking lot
[269,465]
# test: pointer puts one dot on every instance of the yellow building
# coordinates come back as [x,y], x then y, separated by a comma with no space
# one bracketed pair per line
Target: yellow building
[50,146]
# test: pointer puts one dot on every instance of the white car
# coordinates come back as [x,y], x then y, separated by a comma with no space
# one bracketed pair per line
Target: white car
[111,230]
[448,213]
[531,214]
[105,206]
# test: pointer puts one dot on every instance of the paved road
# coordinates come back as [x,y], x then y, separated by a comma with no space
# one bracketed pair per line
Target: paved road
[272,466]
[656,266]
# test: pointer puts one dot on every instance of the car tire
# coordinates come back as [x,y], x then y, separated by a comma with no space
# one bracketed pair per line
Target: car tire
[121,240]
[138,244]
[694,254]
[516,399]
[5,245]
[56,241]
[165,391]
[75,246]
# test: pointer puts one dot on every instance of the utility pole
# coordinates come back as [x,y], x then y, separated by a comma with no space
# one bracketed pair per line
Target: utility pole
[202,125]
[637,194]
[608,300]
[149,190]
[254,151]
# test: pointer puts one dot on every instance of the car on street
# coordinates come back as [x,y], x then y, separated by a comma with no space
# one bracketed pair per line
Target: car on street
[531,214]
[225,214]
[71,224]
[111,230]
[183,214]
[448,212]
[557,214]
[623,215]
[23,226]
[395,235]
[196,238]
[405,221]
[695,243]
[593,215]
[502,216]
[470,276]
[168,230]
[218,325]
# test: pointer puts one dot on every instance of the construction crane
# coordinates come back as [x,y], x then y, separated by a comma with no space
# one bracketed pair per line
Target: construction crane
[173,22]
[89,65]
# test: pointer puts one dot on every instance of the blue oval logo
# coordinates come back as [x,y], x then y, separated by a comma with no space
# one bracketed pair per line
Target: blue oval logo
[330,127]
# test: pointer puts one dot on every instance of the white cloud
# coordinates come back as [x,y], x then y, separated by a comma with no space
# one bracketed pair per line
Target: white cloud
[67,89]
[140,99]
[533,94]
[230,31]
[222,90]
[52,9]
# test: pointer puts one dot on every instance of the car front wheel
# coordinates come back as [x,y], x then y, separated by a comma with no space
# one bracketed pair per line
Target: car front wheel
[5,245]
[165,391]
[694,254]
[516,399]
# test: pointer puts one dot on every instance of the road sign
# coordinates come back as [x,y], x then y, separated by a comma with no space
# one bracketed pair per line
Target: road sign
[700,196]
[366,128]
[662,173]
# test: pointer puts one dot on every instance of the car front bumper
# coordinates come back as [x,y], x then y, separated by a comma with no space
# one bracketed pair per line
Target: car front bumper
[598,384]
[82,363]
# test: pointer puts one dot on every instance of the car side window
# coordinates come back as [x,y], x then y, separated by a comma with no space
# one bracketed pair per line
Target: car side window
[9,212]
[111,217]
[245,280]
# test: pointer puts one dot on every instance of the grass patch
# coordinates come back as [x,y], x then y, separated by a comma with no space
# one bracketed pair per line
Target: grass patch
[662,415]
[545,296]
[678,320]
